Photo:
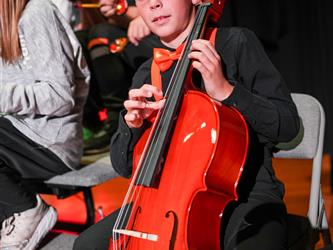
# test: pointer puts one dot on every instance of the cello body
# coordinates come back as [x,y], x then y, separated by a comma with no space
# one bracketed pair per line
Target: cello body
[199,177]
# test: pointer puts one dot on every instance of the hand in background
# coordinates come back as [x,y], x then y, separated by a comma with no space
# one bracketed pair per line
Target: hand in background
[108,7]
[137,30]
[196,2]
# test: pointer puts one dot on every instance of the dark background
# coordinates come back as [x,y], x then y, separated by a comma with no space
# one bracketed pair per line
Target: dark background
[298,37]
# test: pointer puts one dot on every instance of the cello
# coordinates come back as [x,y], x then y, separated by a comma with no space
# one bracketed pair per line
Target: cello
[186,166]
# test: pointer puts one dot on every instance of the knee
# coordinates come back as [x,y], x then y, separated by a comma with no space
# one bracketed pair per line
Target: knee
[79,244]
[84,243]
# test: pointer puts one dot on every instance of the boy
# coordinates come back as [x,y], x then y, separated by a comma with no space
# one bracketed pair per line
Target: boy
[237,73]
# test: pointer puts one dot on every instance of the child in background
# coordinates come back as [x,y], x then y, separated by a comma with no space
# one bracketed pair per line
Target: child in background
[114,48]
[43,87]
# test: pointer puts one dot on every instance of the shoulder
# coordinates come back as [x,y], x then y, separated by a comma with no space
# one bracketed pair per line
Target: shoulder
[37,14]
[41,19]
[234,36]
[231,41]
[42,13]
[38,9]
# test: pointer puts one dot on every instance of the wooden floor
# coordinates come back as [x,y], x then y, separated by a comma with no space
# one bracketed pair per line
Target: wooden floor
[296,175]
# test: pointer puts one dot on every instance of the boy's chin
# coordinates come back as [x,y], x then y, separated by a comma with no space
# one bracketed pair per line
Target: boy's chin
[165,35]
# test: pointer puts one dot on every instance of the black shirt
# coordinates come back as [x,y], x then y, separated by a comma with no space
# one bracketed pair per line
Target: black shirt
[261,96]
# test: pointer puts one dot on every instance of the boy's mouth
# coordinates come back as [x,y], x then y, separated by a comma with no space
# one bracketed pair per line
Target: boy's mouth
[160,19]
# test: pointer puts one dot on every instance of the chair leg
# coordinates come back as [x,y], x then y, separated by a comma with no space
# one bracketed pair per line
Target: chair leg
[322,219]
[90,207]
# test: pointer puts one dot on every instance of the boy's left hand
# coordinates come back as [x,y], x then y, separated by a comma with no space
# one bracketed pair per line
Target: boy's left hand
[208,62]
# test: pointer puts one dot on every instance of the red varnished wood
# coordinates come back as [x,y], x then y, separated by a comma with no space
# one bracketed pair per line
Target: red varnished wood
[216,10]
[202,168]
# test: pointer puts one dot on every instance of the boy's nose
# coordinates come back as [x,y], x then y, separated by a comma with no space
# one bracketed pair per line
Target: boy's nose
[155,4]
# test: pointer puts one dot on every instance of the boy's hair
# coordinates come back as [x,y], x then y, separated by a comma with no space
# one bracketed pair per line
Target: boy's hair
[10,13]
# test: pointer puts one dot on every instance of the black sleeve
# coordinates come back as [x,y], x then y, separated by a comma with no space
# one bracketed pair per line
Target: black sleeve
[124,140]
[260,93]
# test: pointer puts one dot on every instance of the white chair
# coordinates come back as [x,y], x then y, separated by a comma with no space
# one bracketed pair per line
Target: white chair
[308,145]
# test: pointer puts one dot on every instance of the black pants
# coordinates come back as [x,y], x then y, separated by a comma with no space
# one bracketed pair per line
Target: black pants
[21,158]
[250,225]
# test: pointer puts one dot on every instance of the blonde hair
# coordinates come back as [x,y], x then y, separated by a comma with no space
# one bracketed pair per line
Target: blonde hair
[10,13]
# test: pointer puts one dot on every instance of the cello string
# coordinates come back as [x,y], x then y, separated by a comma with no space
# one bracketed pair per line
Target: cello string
[132,195]
[129,196]
[121,218]
[153,137]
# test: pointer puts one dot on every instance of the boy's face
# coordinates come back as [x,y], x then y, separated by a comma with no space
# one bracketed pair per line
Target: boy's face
[167,18]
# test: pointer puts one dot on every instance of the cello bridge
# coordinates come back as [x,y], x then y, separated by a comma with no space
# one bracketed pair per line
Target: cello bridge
[137,234]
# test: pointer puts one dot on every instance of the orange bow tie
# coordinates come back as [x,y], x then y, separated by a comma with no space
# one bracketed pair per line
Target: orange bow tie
[164,58]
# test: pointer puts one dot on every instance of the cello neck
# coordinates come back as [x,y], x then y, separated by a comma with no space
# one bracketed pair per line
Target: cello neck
[152,161]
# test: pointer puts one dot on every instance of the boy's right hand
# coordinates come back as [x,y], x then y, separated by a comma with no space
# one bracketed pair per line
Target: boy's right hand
[138,107]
